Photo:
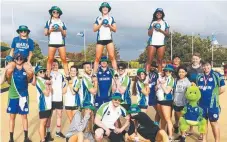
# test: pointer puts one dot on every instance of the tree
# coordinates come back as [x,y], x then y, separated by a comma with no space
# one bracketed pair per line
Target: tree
[37,55]
[182,47]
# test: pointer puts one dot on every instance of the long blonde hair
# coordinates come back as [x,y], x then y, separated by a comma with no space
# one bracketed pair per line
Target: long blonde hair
[90,123]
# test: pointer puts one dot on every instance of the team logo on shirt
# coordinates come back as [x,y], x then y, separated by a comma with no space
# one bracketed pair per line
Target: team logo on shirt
[196,109]
[210,79]
[24,73]
[215,116]
[26,109]
[9,108]
[201,79]
[100,72]
[108,72]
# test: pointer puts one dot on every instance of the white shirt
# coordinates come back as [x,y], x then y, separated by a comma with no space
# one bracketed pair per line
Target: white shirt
[104,33]
[158,38]
[57,85]
[110,115]
[56,37]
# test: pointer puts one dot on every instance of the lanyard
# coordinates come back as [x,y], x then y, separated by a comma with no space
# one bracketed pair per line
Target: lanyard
[206,79]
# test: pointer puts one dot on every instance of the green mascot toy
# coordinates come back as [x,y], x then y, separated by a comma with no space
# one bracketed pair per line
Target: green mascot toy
[192,114]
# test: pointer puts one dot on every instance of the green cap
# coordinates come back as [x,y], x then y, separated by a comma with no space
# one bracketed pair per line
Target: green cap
[134,108]
[88,105]
[104,4]
[55,8]
[116,96]
[141,70]
[23,28]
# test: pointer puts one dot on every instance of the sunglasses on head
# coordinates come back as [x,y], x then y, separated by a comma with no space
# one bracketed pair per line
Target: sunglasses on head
[42,71]
[23,31]
[55,12]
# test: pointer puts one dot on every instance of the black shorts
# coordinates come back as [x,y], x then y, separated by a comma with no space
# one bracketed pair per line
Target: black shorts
[178,108]
[45,114]
[57,105]
[156,46]
[166,103]
[56,45]
[143,107]
[126,106]
[71,107]
[104,42]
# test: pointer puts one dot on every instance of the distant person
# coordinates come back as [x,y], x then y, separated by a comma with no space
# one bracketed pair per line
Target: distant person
[211,85]
[81,126]
[104,76]
[105,25]
[44,97]
[106,117]
[72,98]
[142,128]
[165,99]
[122,85]
[55,29]
[18,102]
[158,32]
[225,71]
[153,78]
[176,65]
[141,89]
[195,68]
[23,45]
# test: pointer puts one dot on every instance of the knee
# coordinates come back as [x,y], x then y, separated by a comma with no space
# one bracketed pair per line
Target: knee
[97,58]
[80,134]
[50,59]
[99,134]
[64,61]
[24,117]
[111,57]
[59,114]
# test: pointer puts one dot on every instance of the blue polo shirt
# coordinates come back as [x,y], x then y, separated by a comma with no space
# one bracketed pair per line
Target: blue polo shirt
[209,88]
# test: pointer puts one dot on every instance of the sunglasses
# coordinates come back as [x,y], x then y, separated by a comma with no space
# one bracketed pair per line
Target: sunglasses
[117,100]
[42,71]
[121,68]
[19,59]
[23,31]
[55,12]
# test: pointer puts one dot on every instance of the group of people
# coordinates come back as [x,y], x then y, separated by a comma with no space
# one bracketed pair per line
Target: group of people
[95,103]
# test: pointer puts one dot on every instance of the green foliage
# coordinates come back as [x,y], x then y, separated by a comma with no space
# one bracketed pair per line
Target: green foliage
[37,55]
[182,46]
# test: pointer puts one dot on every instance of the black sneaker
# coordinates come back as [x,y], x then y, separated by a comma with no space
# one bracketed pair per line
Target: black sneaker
[48,137]
[27,140]
[59,134]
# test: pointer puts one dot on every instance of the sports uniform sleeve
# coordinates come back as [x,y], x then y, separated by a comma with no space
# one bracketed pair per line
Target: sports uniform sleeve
[113,21]
[40,84]
[77,84]
[123,112]
[125,82]
[96,21]
[88,83]
[221,80]
[64,26]
[166,26]
[100,111]
[47,26]
[31,44]
[170,82]
[13,45]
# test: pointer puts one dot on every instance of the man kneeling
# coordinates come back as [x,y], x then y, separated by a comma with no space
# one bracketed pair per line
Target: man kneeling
[143,129]
[106,116]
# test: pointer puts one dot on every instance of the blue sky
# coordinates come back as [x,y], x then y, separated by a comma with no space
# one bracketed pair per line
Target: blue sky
[132,17]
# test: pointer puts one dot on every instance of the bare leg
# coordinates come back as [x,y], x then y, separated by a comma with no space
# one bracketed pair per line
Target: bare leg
[111,53]
[166,110]
[59,117]
[161,136]
[150,56]
[160,53]
[157,117]
[79,137]
[25,122]
[51,53]
[42,129]
[216,131]
[98,54]
[62,53]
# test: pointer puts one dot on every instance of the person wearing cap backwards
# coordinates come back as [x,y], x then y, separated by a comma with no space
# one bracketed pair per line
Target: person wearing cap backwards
[44,98]
[80,129]
[141,89]
[104,76]
[18,95]
[164,95]
[142,128]
[106,116]
[152,99]
[55,29]
[23,45]
[89,85]
[158,32]
[211,85]
[104,25]
[121,84]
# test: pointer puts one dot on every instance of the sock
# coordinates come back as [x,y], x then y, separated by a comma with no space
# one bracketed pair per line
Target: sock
[48,129]
[58,129]
[11,136]
[26,134]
